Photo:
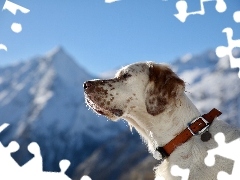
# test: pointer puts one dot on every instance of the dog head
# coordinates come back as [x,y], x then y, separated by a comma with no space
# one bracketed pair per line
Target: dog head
[148,87]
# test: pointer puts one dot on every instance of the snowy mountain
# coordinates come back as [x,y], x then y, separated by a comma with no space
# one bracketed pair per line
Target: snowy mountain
[43,101]
[212,83]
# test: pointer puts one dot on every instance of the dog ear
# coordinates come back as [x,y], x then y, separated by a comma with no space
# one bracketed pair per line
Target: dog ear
[163,88]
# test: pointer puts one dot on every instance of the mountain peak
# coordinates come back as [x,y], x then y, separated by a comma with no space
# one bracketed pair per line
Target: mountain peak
[64,65]
[207,59]
[59,50]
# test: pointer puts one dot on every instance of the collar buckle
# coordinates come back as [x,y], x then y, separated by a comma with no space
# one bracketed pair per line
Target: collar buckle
[207,124]
[197,126]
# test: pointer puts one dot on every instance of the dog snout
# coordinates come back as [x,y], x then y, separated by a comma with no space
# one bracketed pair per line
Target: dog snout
[87,84]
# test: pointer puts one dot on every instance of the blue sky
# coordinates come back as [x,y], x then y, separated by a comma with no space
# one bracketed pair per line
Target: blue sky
[101,36]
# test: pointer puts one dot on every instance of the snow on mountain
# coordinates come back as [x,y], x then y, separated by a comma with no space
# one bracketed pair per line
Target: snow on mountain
[210,82]
[115,158]
[43,101]
[188,62]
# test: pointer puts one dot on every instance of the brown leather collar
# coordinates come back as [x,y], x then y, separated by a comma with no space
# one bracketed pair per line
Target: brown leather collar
[195,127]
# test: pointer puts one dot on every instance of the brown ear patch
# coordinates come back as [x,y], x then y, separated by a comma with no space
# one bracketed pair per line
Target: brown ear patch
[155,104]
[164,86]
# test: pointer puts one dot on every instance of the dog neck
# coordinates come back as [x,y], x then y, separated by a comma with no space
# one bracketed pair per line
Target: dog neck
[160,129]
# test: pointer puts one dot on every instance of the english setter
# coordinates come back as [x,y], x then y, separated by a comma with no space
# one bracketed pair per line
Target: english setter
[152,99]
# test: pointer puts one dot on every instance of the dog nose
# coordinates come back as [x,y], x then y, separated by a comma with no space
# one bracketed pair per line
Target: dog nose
[87,84]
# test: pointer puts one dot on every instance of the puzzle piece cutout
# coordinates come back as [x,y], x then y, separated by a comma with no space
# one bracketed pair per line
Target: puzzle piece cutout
[111,1]
[5,155]
[85,178]
[4,47]
[229,150]
[182,7]
[35,164]
[13,8]
[177,171]
[33,169]
[236,16]
[3,126]
[222,51]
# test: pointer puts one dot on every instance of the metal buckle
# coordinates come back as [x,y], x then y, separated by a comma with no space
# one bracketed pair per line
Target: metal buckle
[199,132]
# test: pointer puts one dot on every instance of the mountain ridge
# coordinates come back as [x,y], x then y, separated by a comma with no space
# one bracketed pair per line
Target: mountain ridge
[47,99]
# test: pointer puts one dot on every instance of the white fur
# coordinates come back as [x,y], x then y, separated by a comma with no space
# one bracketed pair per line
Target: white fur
[128,95]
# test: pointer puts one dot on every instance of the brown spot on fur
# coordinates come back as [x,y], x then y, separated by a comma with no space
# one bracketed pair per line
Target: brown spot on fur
[165,80]
[164,86]
[105,92]
[129,99]
[185,156]
[117,112]
[98,89]
[132,107]
[156,105]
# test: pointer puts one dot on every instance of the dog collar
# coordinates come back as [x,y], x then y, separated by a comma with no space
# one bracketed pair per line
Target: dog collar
[197,126]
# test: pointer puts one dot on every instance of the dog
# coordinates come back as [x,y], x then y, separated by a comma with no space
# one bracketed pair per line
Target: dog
[152,99]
